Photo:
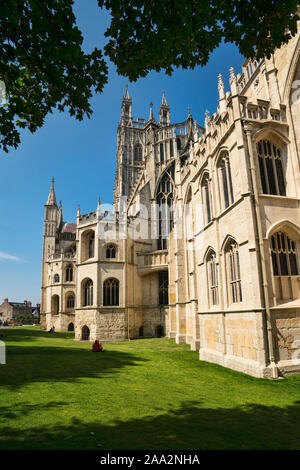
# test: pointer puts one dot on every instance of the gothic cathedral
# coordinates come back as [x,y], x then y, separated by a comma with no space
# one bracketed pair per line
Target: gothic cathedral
[203,241]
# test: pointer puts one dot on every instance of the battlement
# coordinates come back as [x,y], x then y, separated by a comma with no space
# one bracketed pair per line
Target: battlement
[90,217]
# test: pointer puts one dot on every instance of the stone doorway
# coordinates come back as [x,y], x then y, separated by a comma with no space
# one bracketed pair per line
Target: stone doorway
[85,333]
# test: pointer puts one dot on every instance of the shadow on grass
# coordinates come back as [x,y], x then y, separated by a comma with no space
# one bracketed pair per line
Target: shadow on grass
[190,427]
[66,362]
[24,409]
[31,334]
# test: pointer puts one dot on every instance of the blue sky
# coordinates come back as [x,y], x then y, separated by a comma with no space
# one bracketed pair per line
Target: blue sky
[81,155]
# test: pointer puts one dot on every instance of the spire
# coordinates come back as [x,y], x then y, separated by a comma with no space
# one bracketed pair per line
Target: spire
[126,96]
[126,107]
[164,111]
[189,113]
[163,100]
[51,201]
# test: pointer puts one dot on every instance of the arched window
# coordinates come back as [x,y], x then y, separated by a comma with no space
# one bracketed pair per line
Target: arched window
[171,149]
[178,143]
[285,266]
[137,154]
[91,245]
[233,273]
[111,251]
[55,304]
[111,292]
[56,277]
[164,200]
[87,249]
[161,152]
[69,273]
[71,326]
[70,301]
[225,181]
[163,288]
[270,166]
[206,198]
[212,277]
[189,217]
[87,292]
[284,255]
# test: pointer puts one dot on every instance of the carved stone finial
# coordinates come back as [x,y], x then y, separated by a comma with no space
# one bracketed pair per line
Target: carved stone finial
[232,76]
[220,82]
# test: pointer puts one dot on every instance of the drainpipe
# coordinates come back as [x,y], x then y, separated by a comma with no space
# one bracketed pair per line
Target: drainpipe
[248,127]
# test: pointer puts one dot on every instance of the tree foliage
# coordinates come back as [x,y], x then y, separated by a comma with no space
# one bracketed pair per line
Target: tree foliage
[43,66]
[163,34]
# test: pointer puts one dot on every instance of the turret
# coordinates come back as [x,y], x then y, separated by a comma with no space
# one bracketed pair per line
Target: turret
[164,111]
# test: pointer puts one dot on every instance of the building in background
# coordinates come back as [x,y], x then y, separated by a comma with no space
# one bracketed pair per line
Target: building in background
[11,310]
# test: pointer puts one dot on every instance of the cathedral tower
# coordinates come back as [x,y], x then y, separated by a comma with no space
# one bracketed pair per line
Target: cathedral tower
[130,150]
[52,217]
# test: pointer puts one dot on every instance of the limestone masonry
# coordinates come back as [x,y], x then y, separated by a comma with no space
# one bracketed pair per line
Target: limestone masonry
[204,240]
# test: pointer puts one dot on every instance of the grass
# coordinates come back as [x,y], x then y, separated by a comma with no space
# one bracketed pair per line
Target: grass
[143,394]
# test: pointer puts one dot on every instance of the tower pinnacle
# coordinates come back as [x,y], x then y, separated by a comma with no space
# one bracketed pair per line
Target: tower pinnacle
[51,201]
[164,111]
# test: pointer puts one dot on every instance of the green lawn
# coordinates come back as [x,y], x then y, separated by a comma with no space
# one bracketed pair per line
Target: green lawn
[143,394]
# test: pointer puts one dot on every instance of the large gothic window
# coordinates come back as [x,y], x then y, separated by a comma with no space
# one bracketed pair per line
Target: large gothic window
[212,276]
[163,288]
[270,166]
[111,292]
[225,180]
[164,201]
[233,273]
[87,293]
[206,198]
